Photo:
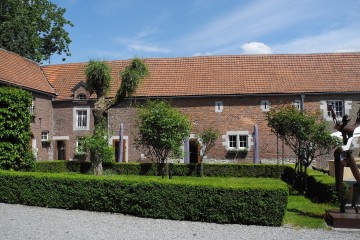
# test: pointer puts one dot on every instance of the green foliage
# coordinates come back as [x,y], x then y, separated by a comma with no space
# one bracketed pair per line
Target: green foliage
[162,130]
[232,200]
[150,169]
[307,137]
[98,78]
[131,78]
[99,149]
[15,129]
[320,187]
[301,131]
[208,138]
[34,29]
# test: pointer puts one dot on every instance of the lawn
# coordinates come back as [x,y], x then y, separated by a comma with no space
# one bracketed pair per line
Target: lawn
[303,213]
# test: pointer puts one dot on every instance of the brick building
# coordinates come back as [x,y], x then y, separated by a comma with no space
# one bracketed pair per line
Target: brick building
[230,93]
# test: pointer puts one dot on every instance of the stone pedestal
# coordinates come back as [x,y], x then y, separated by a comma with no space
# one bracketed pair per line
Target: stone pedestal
[349,219]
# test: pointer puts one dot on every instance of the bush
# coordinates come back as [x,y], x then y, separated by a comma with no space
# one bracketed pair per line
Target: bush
[150,169]
[15,129]
[320,187]
[196,199]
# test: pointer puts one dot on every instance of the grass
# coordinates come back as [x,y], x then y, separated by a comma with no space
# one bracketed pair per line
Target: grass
[303,213]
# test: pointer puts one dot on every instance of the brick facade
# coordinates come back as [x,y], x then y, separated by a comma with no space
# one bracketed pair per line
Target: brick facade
[230,93]
[239,114]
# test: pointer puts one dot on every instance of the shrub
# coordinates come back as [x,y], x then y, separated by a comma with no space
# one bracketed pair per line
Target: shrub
[320,187]
[15,129]
[234,200]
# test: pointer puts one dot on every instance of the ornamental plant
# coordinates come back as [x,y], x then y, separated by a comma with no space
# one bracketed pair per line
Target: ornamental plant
[15,133]
[162,130]
[304,134]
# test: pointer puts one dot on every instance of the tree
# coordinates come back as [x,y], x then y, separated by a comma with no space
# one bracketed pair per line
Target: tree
[34,29]
[131,78]
[307,137]
[15,152]
[98,80]
[162,130]
[99,149]
[207,139]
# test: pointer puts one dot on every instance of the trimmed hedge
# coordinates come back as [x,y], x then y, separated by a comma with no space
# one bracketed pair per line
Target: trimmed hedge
[150,169]
[207,200]
[320,187]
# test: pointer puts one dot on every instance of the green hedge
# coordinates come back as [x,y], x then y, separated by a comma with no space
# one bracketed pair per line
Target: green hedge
[195,199]
[150,169]
[320,187]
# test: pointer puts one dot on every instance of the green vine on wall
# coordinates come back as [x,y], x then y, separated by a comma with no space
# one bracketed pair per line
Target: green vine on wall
[15,120]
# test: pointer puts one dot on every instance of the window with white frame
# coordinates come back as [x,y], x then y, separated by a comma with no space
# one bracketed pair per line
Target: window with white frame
[338,106]
[81,118]
[297,104]
[79,147]
[232,141]
[32,107]
[265,105]
[44,136]
[243,141]
[219,106]
[81,121]
[237,141]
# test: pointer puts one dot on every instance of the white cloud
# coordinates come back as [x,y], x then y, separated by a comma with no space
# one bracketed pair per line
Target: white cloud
[339,40]
[256,48]
[248,22]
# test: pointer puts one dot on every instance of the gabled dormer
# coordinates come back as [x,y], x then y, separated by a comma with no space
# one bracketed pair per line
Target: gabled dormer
[80,92]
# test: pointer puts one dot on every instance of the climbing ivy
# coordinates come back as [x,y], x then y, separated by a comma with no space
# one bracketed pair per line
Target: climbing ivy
[15,117]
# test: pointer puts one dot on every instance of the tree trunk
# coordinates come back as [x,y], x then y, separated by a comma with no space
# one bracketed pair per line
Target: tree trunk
[96,164]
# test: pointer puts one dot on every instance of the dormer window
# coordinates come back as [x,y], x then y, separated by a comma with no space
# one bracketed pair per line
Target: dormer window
[81,96]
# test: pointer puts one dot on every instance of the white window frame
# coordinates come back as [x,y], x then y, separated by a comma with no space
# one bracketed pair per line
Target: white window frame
[44,136]
[346,105]
[239,135]
[32,107]
[297,104]
[219,106]
[337,104]
[76,118]
[265,105]
[77,145]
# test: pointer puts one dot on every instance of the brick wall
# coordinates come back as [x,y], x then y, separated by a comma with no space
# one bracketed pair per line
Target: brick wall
[239,113]
[42,121]
[63,126]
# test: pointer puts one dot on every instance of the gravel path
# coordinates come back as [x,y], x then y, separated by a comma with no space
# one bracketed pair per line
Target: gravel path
[19,222]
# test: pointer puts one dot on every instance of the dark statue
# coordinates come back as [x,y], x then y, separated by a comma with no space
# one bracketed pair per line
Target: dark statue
[343,156]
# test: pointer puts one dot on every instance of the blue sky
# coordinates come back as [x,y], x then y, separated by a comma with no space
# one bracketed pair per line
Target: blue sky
[123,29]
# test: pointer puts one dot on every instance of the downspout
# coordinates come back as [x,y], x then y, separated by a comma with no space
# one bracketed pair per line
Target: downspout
[302,102]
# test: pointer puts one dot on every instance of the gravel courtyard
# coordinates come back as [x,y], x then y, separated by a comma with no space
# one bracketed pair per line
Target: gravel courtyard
[19,222]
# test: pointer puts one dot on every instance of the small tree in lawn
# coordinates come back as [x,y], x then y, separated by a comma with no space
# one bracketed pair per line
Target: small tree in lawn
[207,139]
[162,131]
[98,80]
[307,137]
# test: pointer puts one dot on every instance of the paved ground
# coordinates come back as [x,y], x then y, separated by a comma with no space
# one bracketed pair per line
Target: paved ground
[19,222]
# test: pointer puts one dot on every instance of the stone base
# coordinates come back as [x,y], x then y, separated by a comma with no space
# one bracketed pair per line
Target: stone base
[349,219]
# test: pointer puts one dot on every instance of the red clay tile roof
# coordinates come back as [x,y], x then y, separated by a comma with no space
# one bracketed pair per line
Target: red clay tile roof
[22,72]
[228,75]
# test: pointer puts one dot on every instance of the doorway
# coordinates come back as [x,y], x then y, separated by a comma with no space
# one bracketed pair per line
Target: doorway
[194,147]
[61,150]
[116,148]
